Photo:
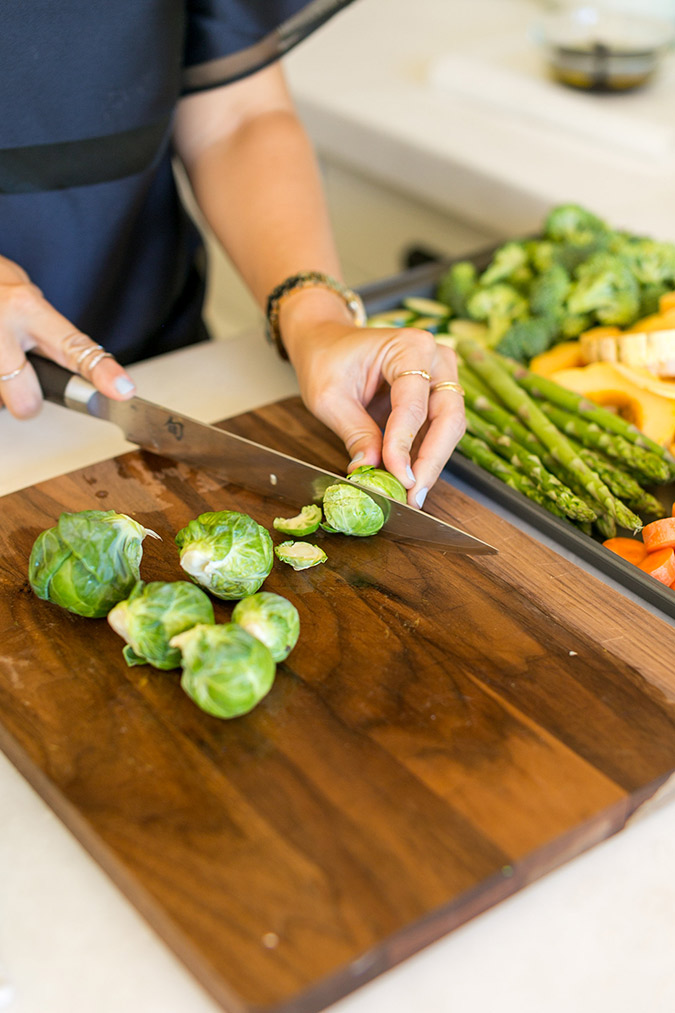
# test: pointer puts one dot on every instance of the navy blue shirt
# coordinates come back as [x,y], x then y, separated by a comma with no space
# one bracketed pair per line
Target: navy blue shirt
[88,202]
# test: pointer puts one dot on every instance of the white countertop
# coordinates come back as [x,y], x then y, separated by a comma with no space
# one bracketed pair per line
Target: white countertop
[363,84]
[594,936]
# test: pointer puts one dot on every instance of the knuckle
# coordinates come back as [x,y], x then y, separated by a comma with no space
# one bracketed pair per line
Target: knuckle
[21,298]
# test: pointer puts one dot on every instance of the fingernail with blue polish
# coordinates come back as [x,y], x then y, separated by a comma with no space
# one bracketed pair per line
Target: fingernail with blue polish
[410,473]
[421,496]
[357,457]
[123,385]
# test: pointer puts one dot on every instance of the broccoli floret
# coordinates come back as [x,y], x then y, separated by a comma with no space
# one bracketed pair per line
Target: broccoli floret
[548,292]
[651,261]
[499,305]
[649,298]
[545,254]
[456,285]
[572,325]
[606,288]
[574,225]
[527,338]
[508,260]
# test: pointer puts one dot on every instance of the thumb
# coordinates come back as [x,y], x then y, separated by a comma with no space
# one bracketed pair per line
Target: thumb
[359,432]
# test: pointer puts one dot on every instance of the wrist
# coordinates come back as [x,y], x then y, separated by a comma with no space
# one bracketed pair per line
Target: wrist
[306,301]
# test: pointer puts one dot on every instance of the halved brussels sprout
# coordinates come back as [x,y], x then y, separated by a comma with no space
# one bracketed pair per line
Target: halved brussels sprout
[300,555]
[379,480]
[153,614]
[304,523]
[88,562]
[271,618]
[351,511]
[226,671]
[227,552]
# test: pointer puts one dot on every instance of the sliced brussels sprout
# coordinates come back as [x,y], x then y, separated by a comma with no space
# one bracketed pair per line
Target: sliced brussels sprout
[88,562]
[271,618]
[351,511]
[380,481]
[304,523]
[227,552]
[153,614]
[226,671]
[300,555]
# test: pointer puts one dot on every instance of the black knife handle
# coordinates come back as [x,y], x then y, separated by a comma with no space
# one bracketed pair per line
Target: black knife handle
[53,378]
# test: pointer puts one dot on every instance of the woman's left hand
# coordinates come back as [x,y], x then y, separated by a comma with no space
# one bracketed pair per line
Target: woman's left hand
[340,369]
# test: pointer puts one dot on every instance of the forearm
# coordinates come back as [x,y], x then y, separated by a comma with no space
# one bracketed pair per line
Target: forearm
[260,191]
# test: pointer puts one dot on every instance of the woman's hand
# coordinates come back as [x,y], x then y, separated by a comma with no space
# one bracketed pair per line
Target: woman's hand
[340,369]
[28,321]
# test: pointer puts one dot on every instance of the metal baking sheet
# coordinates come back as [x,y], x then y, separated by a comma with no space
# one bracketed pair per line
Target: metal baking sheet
[421,281]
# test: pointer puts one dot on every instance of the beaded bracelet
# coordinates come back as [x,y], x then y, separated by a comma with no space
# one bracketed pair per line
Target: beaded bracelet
[308,279]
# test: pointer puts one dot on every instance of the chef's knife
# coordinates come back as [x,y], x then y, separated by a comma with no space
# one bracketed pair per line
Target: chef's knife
[237,460]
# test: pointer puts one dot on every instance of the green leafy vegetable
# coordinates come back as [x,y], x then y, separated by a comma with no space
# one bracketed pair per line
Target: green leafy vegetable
[300,555]
[351,511]
[226,552]
[153,614]
[88,562]
[304,523]
[226,671]
[270,618]
[379,480]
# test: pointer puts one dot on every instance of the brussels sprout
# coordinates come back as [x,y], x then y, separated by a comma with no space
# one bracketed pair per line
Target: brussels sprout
[379,480]
[351,511]
[226,671]
[305,523]
[88,562]
[155,612]
[226,552]
[300,555]
[271,618]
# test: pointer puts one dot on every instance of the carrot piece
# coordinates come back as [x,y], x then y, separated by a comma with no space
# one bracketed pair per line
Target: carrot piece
[660,564]
[659,534]
[628,548]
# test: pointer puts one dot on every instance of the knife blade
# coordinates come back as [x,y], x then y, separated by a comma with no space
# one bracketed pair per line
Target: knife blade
[237,460]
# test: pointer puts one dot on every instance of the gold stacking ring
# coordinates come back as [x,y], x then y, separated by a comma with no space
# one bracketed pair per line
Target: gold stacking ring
[86,352]
[448,385]
[101,355]
[15,372]
[414,372]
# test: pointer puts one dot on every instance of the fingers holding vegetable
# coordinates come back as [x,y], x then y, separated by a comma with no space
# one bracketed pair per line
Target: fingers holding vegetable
[428,399]
[27,321]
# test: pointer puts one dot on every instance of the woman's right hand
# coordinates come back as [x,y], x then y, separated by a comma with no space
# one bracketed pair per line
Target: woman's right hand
[28,321]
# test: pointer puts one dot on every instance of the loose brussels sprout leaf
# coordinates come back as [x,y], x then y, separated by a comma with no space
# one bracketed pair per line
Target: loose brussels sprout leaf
[88,562]
[226,671]
[226,552]
[271,618]
[305,523]
[380,481]
[351,511]
[153,614]
[300,555]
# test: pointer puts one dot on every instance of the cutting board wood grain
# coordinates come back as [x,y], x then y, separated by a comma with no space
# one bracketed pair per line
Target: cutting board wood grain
[447,729]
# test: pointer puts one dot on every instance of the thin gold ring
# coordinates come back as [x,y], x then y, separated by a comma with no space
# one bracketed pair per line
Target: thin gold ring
[448,385]
[95,361]
[86,352]
[4,377]
[414,372]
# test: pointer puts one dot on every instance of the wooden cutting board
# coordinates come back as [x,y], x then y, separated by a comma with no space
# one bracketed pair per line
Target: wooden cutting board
[447,730]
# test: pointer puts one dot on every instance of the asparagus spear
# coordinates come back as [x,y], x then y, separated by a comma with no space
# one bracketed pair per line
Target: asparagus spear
[479,452]
[491,370]
[542,387]
[621,483]
[589,434]
[529,464]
